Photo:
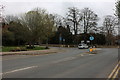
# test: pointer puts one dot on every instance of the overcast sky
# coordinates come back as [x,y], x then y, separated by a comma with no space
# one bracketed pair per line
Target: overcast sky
[100,7]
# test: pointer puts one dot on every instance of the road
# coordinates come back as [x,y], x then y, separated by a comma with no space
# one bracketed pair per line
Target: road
[71,63]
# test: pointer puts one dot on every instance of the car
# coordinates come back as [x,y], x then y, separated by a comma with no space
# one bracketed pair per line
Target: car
[83,46]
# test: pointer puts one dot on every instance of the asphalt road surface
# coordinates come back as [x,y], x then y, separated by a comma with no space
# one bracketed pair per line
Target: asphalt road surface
[71,63]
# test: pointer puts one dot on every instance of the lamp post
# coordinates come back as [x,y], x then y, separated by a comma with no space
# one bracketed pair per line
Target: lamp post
[1,13]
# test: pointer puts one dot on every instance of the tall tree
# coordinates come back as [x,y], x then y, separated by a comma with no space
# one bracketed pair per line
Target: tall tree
[15,29]
[89,19]
[49,27]
[11,18]
[109,25]
[7,37]
[58,19]
[118,9]
[118,15]
[19,32]
[73,16]
[88,22]
[39,25]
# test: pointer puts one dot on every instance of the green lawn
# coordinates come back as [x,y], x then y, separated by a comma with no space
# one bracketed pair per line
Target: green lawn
[9,48]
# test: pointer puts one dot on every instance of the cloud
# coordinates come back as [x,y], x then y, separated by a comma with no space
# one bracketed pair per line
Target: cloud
[58,0]
[100,7]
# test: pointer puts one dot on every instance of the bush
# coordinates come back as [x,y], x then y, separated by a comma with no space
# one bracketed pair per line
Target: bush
[18,49]
[30,47]
[46,47]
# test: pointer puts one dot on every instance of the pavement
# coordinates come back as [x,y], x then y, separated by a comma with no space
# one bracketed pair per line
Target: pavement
[69,63]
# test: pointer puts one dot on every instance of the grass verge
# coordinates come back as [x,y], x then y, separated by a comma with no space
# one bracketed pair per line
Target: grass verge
[20,48]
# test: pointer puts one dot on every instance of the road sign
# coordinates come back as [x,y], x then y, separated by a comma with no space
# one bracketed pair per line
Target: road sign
[91,38]
[60,38]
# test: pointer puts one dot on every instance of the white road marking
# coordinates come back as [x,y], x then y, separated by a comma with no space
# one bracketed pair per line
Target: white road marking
[1,73]
[82,55]
[65,59]
[98,49]
[91,54]
[18,70]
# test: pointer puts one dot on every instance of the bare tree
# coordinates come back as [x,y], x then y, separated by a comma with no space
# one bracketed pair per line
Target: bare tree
[73,16]
[11,18]
[118,9]
[58,19]
[109,26]
[89,20]
[118,15]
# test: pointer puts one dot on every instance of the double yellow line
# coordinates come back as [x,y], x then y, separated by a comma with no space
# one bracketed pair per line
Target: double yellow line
[115,72]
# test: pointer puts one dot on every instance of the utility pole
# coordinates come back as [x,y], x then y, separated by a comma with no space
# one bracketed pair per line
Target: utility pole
[1,21]
[1,13]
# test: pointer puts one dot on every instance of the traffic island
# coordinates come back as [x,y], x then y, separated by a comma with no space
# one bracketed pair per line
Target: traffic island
[34,52]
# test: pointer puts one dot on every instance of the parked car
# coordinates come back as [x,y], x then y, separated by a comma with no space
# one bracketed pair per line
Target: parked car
[83,46]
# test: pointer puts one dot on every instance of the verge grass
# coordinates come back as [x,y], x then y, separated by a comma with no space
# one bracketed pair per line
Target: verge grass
[10,48]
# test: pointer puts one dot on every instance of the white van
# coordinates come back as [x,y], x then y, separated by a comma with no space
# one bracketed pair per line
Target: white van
[83,46]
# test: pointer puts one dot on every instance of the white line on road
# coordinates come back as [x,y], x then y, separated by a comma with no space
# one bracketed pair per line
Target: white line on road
[18,70]
[65,59]
[82,55]
[1,73]
[98,48]
[91,54]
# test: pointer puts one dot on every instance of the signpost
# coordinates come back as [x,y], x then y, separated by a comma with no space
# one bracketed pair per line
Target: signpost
[92,50]
[91,38]
[60,38]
